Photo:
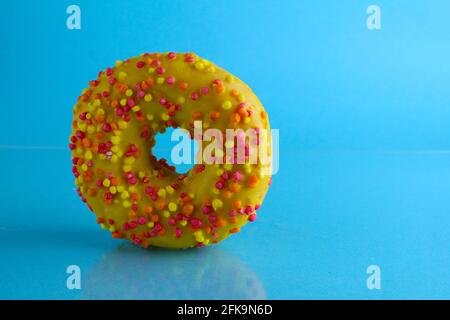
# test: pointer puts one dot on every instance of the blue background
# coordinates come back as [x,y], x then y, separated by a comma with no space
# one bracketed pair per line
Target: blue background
[364,137]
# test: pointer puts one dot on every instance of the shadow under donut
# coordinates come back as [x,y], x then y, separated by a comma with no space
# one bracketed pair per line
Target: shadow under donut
[129,272]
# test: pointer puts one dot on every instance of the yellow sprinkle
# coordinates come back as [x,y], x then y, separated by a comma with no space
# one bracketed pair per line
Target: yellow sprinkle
[170,189]
[166,214]
[123,102]
[126,204]
[112,228]
[160,80]
[120,189]
[123,124]
[129,160]
[115,139]
[84,167]
[102,225]
[88,155]
[129,93]
[113,190]
[199,65]
[172,206]
[106,183]
[122,75]
[181,100]
[162,193]
[125,194]
[183,223]
[227,105]
[165,116]
[151,224]
[148,97]
[150,117]
[136,108]
[151,70]
[217,203]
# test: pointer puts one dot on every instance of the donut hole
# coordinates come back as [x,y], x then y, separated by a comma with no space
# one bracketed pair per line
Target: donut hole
[177,148]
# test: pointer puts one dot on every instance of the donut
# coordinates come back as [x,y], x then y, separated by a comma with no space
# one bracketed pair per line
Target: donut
[145,200]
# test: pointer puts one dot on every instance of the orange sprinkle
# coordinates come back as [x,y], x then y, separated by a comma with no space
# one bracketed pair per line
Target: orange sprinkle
[183,85]
[114,181]
[86,142]
[220,88]
[117,235]
[252,181]
[148,209]
[161,204]
[135,196]
[237,204]
[196,115]
[154,218]
[150,82]
[235,187]
[235,230]
[221,222]
[188,208]
[100,118]
[215,115]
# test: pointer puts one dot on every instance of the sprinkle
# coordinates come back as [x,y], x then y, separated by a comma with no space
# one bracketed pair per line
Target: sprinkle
[227,105]
[172,206]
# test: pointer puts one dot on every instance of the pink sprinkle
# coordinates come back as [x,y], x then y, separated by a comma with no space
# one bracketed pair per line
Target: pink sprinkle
[206,209]
[178,232]
[196,223]
[140,64]
[252,217]
[171,55]
[232,213]
[204,90]
[171,221]
[160,70]
[248,209]
[142,220]
[194,96]
[131,103]
[219,185]
[237,176]
[106,127]
[170,80]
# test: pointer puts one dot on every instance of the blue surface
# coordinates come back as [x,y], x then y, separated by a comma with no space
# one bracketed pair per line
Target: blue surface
[364,169]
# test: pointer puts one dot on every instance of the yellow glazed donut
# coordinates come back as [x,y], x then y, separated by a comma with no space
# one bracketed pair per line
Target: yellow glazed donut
[143,199]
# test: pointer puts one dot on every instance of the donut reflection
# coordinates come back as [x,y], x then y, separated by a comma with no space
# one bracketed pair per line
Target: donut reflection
[209,273]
